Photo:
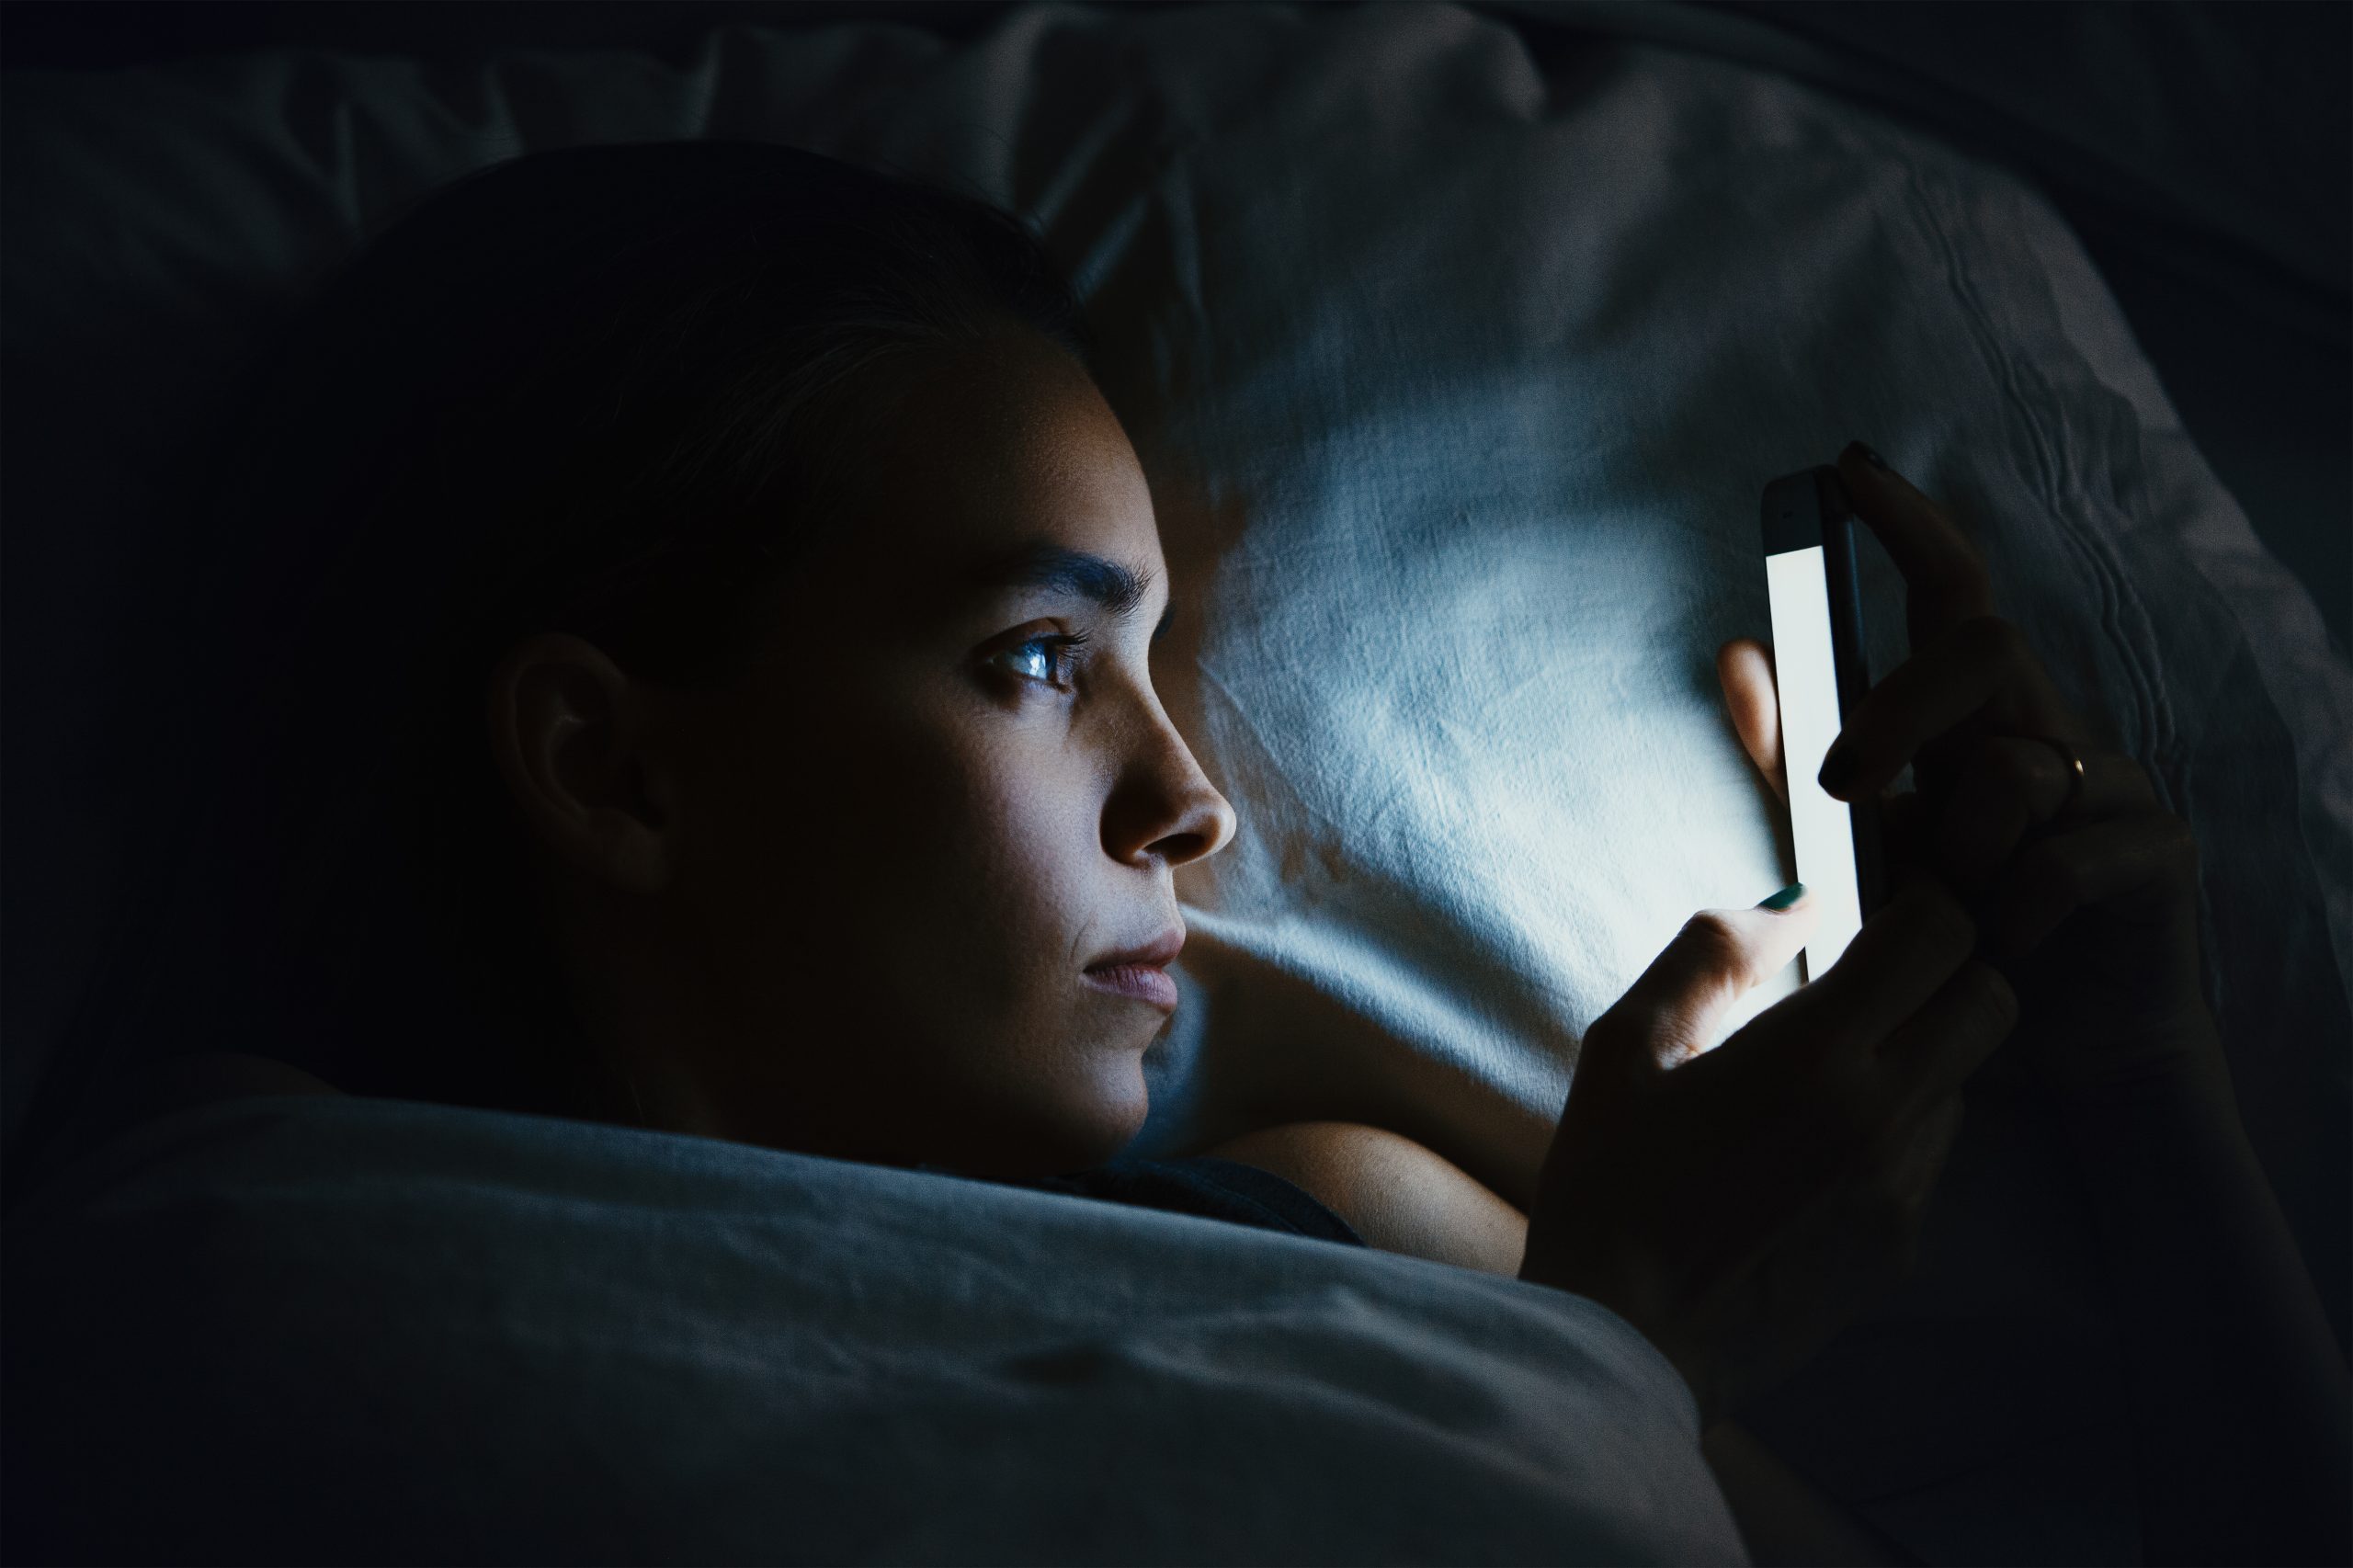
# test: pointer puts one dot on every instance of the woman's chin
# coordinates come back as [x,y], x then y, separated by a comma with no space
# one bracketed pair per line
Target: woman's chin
[1115,1112]
[1138,1111]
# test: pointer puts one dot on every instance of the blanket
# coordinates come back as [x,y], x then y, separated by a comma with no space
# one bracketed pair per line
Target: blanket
[300,1329]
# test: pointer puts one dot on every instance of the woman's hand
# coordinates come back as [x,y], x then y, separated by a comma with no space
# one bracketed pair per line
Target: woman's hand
[2089,905]
[1740,1205]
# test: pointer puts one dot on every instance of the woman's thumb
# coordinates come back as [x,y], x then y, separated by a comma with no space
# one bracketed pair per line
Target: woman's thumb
[1668,1016]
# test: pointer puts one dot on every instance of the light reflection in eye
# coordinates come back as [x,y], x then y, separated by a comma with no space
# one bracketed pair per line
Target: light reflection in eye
[1046,655]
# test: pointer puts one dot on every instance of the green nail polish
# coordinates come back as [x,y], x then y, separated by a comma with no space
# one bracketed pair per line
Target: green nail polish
[1786,897]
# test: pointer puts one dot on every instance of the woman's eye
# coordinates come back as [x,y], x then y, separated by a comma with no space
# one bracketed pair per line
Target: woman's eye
[1041,657]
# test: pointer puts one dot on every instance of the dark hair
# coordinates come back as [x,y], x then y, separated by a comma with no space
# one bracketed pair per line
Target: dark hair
[605,390]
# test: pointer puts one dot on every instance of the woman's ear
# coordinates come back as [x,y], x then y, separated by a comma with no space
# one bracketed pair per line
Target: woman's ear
[566,732]
[1744,666]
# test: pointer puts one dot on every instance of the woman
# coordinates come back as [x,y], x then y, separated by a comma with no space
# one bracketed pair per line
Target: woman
[725,705]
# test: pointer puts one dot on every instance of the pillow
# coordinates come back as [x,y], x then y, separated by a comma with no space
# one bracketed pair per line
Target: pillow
[1457,362]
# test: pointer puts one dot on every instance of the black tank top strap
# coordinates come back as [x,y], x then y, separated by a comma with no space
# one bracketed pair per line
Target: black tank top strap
[1205,1184]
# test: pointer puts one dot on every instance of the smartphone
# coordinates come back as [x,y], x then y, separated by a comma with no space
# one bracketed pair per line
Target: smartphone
[1821,672]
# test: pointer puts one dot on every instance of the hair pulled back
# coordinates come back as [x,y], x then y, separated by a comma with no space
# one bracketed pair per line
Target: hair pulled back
[605,390]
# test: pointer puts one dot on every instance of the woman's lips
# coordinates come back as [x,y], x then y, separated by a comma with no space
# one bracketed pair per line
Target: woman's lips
[1143,982]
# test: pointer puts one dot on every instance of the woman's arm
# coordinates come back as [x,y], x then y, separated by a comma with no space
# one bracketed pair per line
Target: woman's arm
[1393,1192]
[1401,1197]
[2244,1405]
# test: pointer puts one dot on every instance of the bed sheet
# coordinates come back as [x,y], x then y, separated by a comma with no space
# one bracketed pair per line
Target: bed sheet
[1457,360]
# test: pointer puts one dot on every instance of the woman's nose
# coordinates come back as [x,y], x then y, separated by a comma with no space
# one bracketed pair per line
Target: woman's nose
[1167,806]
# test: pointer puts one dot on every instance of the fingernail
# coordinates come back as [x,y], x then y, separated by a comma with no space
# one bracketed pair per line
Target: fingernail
[1862,448]
[1786,897]
[1837,771]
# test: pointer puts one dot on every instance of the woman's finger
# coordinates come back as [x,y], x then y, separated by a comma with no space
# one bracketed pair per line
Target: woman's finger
[1912,1176]
[1668,1015]
[1861,1235]
[2124,863]
[1744,666]
[1982,667]
[1899,1175]
[1939,1046]
[2008,785]
[1896,962]
[1944,576]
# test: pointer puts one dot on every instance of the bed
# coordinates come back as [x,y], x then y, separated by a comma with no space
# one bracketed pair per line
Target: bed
[1457,344]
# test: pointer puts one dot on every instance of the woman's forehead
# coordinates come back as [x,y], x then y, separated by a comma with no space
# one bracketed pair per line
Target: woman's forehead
[995,457]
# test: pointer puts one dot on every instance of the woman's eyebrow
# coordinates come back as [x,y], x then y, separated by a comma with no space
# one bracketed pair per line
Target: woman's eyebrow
[1042,564]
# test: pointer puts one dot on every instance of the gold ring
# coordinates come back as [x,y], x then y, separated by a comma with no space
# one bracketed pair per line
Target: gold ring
[2075,775]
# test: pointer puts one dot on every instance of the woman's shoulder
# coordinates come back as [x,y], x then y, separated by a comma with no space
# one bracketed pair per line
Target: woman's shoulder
[1398,1195]
[177,1083]
[218,1074]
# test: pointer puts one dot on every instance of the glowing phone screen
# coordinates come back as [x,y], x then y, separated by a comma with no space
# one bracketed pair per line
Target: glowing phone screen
[1823,827]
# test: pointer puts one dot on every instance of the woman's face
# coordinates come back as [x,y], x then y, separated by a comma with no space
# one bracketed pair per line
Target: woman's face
[847,906]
